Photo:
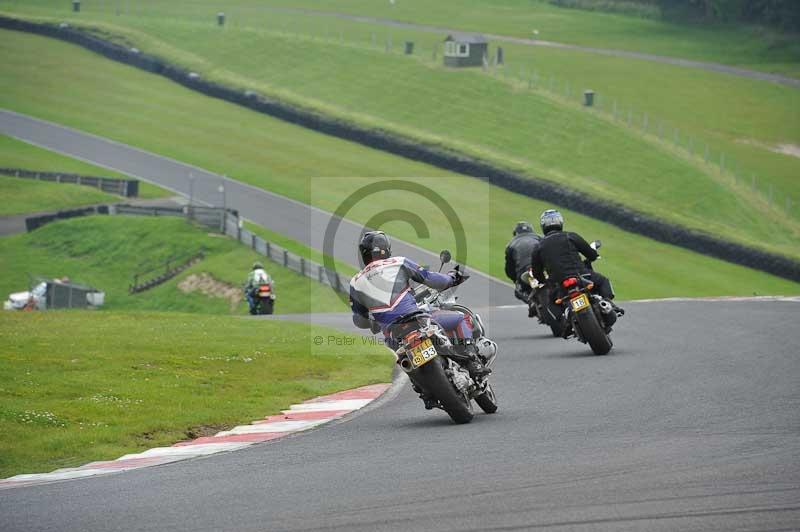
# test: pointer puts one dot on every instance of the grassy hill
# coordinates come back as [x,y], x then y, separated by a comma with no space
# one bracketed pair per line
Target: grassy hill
[276,156]
[22,196]
[106,251]
[15,153]
[497,118]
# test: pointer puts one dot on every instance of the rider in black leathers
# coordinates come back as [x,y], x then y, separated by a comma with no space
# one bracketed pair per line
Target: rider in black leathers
[558,254]
[518,260]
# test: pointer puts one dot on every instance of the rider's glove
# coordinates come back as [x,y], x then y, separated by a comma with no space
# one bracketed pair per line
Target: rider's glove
[457,276]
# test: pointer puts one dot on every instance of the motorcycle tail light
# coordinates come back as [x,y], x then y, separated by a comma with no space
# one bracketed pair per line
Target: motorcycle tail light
[572,281]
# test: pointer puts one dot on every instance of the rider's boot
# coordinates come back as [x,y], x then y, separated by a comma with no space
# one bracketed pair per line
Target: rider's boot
[467,356]
[531,310]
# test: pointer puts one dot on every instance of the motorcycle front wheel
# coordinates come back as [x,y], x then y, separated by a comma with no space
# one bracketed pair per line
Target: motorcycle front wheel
[432,379]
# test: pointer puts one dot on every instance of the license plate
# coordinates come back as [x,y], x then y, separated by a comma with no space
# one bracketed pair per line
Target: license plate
[423,353]
[580,302]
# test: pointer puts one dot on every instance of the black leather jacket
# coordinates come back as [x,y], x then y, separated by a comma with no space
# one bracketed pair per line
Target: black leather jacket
[558,254]
[518,254]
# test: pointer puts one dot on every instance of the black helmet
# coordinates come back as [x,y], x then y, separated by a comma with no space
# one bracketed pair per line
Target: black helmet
[522,227]
[551,220]
[258,266]
[374,245]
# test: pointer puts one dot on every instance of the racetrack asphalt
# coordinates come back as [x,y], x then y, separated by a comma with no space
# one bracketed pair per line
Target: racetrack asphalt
[690,423]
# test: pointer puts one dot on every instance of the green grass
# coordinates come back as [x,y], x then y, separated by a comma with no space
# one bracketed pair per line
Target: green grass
[27,196]
[80,386]
[521,129]
[750,47]
[106,251]
[146,111]
[18,154]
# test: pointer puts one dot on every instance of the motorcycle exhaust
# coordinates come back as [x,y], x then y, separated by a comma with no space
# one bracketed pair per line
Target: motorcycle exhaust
[406,365]
[605,307]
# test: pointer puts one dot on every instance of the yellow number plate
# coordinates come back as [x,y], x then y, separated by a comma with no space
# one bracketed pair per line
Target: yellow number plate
[580,303]
[423,353]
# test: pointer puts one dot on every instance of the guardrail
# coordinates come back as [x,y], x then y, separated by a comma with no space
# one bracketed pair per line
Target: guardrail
[122,187]
[287,259]
[169,269]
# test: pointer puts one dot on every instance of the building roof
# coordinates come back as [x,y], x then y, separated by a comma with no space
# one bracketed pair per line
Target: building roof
[471,38]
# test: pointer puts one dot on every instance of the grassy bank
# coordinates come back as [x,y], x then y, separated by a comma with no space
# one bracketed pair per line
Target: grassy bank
[17,154]
[105,252]
[82,386]
[525,130]
[25,196]
[149,112]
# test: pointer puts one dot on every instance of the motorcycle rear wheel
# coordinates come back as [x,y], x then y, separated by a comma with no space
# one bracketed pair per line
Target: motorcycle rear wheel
[266,306]
[432,379]
[487,400]
[593,332]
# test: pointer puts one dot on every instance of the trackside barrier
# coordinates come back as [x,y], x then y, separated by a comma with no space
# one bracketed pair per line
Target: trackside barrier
[284,257]
[128,188]
[226,221]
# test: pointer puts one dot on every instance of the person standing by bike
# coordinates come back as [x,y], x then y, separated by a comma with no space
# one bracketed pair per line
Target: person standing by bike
[518,261]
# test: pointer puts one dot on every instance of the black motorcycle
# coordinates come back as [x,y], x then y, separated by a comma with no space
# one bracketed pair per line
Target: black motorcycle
[588,316]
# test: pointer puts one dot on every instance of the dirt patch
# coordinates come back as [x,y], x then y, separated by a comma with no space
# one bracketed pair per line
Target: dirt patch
[206,284]
[202,431]
[788,149]
[792,150]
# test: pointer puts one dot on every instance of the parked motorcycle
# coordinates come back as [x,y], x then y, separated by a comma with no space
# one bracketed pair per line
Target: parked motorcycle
[264,298]
[426,354]
[589,317]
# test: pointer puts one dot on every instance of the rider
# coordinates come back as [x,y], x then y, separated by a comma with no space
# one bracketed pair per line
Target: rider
[381,295]
[558,255]
[518,261]
[255,278]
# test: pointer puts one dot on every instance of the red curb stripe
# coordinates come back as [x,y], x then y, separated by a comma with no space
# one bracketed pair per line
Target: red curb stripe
[302,416]
[365,392]
[233,438]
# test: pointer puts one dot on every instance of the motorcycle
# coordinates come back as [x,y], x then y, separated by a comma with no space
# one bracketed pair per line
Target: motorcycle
[426,354]
[541,300]
[264,299]
[589,317]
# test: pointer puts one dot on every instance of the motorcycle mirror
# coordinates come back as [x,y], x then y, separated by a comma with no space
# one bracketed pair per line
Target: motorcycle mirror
[445,256]
[596,244]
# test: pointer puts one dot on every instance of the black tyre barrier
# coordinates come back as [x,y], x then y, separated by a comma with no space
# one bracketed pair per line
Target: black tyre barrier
[128,188]
[606,211]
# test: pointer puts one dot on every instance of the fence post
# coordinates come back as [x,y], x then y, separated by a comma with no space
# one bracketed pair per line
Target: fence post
[319,273]
[253,240]
[302,266]
[285,259]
